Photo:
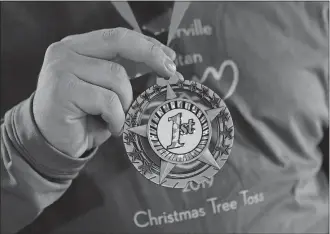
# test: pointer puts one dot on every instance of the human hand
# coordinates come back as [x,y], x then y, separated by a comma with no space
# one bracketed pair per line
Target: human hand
[82,94]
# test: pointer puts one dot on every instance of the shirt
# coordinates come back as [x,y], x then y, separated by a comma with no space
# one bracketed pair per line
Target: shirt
[268,61]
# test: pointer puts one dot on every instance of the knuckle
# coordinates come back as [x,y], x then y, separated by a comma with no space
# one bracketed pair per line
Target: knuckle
[155,50]
[67,39]
[70,81]
[65,81]
[110,99]
[55,48]
[56,67]
[55,53]
[114,34]
[64,85]
[115,68]
[52,69]
[68,87]
[154,41]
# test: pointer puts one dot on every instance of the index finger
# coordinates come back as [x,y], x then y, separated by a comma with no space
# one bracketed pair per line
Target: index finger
[110,43]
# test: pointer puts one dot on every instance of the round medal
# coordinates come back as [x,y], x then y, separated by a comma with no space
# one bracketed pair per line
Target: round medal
[178,133]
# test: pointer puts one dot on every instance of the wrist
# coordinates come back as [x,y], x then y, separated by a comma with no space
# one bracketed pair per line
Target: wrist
[35,149]
[55,128]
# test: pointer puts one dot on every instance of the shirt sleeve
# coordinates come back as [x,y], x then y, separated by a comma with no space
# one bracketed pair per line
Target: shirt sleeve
[33,173]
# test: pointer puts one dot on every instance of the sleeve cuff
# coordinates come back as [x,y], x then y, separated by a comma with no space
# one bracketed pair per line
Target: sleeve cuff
[35,149]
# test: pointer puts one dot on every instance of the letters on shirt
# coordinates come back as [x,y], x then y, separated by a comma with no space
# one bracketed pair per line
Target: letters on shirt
[194,29]
[212,206]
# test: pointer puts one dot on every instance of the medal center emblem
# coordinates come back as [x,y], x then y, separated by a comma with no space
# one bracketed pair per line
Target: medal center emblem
[179,131]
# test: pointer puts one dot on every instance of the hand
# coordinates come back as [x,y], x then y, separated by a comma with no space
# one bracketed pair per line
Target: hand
[82,95]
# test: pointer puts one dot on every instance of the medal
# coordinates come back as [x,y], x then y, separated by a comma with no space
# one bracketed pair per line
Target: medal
[177,132]
[174,140]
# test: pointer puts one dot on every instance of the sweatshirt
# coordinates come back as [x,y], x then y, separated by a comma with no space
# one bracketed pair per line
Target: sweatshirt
[267,60]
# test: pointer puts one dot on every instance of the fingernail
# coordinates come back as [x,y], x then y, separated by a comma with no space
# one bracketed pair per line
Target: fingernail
[180,76]
[170,65]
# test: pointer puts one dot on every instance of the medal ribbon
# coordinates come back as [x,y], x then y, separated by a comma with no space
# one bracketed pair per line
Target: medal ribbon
[179,10]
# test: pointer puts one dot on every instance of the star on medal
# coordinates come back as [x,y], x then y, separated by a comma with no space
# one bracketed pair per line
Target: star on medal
[168,136]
